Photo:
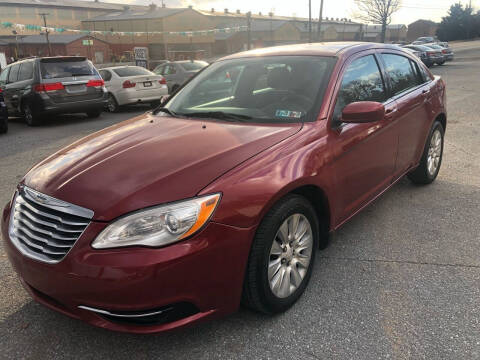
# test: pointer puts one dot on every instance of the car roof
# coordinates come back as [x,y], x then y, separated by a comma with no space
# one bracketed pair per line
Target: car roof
[120,67]
[319,49]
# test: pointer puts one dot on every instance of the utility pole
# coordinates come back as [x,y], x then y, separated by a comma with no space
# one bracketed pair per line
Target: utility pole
[320,17]
[249,30]
[44,16]
[17,52]
[309,21]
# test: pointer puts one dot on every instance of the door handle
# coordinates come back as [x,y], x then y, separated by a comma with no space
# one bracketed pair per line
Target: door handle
[390,112]
[425,92]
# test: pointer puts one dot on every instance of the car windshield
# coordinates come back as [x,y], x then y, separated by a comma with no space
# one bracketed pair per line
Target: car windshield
[66,68]
[193,65]
[132,71]
[260,89]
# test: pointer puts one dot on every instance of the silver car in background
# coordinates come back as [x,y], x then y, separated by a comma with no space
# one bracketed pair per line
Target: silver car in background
[132,85]
[178,72]
[447,52]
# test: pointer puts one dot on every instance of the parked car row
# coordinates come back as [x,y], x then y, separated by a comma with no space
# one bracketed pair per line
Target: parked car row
[431,51]
[37,87]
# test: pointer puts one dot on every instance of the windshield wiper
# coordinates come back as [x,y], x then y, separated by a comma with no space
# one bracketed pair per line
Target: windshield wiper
[217,115]
[82,74]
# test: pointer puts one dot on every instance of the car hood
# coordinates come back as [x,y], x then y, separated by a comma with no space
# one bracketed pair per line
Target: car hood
[149,160]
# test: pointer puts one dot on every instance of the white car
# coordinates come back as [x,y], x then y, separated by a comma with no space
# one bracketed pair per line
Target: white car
[132,85]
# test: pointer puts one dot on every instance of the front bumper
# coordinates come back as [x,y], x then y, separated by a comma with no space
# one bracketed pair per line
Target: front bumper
[205,271]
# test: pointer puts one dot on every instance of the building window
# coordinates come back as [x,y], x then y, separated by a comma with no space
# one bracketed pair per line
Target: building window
[27,12]
[64,14]
[8,12]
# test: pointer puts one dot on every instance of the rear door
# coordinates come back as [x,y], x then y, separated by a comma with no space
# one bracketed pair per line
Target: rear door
[408,89]
[70,79]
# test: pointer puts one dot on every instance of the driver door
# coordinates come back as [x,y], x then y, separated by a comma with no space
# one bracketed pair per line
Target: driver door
[364,153]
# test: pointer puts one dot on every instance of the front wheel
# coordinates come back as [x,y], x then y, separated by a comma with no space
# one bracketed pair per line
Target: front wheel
[429,166]
[112,104]
[282,256]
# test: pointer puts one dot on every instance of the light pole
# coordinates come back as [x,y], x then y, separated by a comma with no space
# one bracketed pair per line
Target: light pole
[44,15]
[320,16]
[309,21]
[17,52]
[249,30]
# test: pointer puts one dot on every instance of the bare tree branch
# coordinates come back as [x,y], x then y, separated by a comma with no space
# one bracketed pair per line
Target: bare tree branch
[377,12]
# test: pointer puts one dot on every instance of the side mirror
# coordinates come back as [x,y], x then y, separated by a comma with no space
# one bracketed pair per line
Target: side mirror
[363,112]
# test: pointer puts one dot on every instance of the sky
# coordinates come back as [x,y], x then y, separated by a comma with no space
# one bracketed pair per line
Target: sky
[410,10]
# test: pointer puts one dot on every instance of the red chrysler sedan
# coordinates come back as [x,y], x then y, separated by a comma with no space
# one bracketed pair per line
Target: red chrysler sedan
[224,194]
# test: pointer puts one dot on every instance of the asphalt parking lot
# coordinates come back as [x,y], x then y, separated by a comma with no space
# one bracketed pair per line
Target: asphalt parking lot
[401,280]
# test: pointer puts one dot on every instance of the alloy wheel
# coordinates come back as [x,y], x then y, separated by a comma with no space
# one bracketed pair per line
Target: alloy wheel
[434,153]
[290,255]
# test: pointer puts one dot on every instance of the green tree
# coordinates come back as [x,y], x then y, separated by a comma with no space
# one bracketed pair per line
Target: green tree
[460,24]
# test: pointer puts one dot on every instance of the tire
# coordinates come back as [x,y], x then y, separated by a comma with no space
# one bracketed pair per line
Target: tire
[31,118]
[93,114]
[263,291]
[441,63]
[431,160]
[112,104]
[3,125]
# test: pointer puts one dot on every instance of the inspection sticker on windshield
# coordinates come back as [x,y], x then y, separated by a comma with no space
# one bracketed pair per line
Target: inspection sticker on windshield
[288,114]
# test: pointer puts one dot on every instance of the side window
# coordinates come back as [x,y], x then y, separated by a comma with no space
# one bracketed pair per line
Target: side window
[170,70]
[106,75]
[362,81]
[425,74]
[4,76]
[418,76]
[400,72]
[12,77]
[26,71]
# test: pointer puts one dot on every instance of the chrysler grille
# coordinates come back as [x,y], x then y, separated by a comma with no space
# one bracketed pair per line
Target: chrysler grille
[44,228]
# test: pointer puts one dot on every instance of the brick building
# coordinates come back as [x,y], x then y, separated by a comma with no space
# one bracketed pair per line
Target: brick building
[421,28]
[36,45]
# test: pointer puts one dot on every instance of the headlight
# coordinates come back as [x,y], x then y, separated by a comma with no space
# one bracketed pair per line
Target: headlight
[159,225]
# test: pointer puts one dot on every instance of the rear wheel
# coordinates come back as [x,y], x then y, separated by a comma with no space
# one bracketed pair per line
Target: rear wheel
[94,113]
[3,125]
[31,118]
[431,160]
[282,256]
[112,104]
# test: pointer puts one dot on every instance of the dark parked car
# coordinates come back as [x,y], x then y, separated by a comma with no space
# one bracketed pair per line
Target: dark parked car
[428,55]
[37,87]
[3,116]
[226,193]
[178,72]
